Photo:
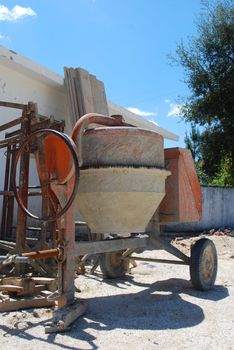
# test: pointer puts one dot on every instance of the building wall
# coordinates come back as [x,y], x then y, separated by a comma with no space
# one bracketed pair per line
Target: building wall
[218,211]
[20,88]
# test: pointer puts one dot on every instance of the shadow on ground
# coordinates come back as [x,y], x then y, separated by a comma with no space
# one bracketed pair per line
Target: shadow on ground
[159,306]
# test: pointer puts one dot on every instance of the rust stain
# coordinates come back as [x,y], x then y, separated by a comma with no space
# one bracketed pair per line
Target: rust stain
[137,152]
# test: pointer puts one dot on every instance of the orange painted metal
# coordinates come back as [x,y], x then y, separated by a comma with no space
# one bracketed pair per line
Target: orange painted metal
[43,254]
[183,199]
[58,158]
[49,170]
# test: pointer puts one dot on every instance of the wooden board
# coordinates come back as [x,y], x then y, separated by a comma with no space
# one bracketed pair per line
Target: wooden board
[85,93]
[99,95]
[14,304]
[64,317]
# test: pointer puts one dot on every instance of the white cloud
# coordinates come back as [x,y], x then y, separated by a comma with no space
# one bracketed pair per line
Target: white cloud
[167,100]
[141,113]
[175,110]
[15,14]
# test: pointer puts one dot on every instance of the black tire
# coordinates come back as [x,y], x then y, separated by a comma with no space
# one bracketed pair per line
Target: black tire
[204,264]
[112,266]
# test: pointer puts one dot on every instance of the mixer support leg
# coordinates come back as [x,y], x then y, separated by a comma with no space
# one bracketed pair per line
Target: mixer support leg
[68,269]
[68,307]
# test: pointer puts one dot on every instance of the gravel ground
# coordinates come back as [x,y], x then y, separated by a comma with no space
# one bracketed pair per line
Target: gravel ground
[155,307]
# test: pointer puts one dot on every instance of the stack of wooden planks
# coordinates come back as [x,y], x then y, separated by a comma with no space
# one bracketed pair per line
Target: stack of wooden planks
[85,93]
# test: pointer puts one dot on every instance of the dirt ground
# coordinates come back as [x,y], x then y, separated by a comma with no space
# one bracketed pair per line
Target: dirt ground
[154,307]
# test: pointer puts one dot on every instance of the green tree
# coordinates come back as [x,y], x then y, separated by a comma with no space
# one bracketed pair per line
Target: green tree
[208,61]
[193,142]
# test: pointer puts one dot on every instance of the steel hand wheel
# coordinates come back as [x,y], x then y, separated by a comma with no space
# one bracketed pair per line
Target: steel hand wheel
[60,164]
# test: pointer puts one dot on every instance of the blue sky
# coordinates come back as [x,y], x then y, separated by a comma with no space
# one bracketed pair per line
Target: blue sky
[125,43]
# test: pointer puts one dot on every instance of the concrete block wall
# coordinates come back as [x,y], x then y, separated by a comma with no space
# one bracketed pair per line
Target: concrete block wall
[218,212]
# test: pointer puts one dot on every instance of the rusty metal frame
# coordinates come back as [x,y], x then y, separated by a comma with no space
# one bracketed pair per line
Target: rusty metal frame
[28,122]
[63,229]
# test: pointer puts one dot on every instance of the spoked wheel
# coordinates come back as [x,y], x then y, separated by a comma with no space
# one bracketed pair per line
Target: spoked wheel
[203,265]
[112,265]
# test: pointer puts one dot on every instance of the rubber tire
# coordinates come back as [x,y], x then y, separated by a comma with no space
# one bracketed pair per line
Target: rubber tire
[112,266]
[203,258]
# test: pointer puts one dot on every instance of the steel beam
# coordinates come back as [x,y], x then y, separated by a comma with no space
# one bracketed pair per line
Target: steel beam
[111,245]
[160,243]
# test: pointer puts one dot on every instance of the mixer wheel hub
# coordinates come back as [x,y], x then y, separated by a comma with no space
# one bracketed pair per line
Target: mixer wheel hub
[112,265]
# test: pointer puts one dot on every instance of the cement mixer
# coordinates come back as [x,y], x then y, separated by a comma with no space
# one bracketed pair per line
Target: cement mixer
[125,186]
[117,175]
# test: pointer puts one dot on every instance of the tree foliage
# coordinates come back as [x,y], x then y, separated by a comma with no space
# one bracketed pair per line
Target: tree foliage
[206,153]
[208,61]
